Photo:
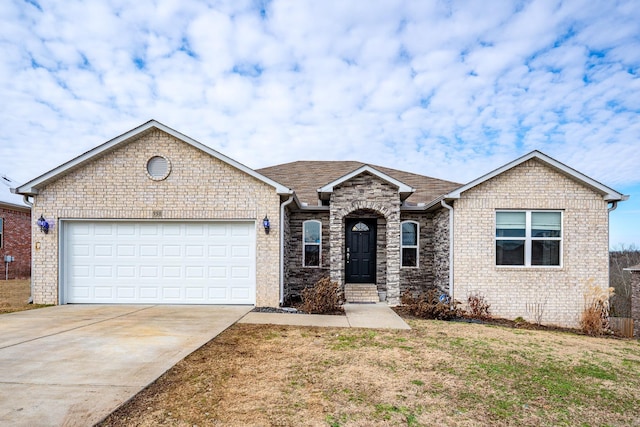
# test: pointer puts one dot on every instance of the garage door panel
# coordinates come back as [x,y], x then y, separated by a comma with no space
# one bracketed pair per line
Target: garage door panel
[159,262]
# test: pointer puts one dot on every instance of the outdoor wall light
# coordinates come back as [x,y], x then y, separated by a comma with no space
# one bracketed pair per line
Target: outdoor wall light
[43,224]
[266,224]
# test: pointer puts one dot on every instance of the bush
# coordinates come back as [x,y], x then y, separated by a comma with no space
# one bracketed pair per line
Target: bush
[478,307]
[324,297]
[429,305]
[595,316]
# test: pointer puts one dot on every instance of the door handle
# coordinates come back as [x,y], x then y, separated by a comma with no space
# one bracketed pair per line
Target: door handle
[348,255]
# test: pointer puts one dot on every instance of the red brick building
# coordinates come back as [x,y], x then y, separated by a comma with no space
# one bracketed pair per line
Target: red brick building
[15,232]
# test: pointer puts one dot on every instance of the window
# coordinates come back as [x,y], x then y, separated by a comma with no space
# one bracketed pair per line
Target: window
[528,238]
[409,244]
[311,243]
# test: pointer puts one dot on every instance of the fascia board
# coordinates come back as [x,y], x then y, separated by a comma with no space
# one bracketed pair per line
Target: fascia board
[608,193]
[31,187]
[402,187]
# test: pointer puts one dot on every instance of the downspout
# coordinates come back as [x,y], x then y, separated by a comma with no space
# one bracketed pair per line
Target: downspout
[614,205]
[25,198]
[451,288]
[282,206]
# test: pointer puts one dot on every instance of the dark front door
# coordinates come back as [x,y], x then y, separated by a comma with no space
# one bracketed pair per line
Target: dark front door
[360,251]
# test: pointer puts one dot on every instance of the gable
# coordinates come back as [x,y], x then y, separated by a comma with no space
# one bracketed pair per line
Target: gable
[306,177]
[32,187]
[607,193]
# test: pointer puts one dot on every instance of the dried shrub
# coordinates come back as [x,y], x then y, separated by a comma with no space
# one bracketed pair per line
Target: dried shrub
[595,316]
[477,307]
[324,297]
[429,305]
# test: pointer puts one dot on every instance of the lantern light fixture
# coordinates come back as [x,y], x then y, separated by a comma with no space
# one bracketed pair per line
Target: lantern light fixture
[43,224]
[266,224]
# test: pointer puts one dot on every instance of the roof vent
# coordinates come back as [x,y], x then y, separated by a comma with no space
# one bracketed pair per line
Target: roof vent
[158,168]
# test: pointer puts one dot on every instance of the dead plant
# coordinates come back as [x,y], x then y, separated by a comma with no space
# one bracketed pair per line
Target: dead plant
[324,297]
[478,307]
[595,316]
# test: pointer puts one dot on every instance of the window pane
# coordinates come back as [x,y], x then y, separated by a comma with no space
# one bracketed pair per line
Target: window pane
[312,255]
[409,233]
[361,226]
[509,252]
[311,232]
[545,252]
[546,224]
[409,257]
[510,224]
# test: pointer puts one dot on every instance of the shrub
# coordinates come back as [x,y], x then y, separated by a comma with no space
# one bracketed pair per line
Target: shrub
[429,305]
[478,307]
[322,298]
[595,316]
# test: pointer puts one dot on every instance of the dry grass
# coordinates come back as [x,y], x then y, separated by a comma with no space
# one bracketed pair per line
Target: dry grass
[439,373]
[14,296]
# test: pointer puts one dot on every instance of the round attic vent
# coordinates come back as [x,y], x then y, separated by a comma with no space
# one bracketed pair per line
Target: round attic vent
[158,168]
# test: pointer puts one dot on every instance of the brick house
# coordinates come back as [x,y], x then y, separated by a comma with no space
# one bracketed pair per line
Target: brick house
[153,216]
[15,232]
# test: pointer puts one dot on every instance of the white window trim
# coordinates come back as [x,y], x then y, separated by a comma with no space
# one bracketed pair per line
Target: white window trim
[1,233]
[305,244]
[416,246]
[528,239]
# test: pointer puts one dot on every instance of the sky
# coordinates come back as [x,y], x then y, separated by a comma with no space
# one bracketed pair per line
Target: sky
[448,89]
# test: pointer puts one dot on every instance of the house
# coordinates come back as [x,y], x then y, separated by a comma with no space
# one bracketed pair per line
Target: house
[15,232]
[153,216]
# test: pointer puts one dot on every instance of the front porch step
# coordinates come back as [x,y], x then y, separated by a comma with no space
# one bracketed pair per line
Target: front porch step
[361,292]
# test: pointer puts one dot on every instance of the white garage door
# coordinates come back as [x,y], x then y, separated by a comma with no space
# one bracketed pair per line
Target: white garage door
[159,262]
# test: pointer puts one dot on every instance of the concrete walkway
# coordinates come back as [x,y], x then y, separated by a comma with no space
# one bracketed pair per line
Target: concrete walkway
[72,365]
[377,316]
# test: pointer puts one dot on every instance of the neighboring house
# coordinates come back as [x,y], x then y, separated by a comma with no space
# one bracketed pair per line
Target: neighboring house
[154,216]
[15,232]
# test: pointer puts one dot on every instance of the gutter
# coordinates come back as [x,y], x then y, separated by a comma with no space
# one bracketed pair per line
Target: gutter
[282,206]
[614,205]
[450,208]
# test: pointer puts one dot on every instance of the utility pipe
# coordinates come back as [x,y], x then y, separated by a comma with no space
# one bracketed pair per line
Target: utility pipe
[282,206]
[451,288]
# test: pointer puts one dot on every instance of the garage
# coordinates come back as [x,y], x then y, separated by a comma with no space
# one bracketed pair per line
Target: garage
[158,262]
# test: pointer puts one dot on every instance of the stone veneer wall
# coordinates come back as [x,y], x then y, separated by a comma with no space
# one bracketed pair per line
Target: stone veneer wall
[367,192]
[297,276]
[16,241]
[555,292]
[441,249]
[419,279]
[116,186]
[635,301]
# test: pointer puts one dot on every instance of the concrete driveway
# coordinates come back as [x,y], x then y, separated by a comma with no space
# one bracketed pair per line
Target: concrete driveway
[74,364]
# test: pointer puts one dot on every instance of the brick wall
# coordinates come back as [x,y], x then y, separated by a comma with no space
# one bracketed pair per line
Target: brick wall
[555,292]
[420,279]
[16,241]
[116,186]
[297,277]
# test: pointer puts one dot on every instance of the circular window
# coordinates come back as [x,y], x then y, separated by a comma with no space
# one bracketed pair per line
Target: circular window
[158,168]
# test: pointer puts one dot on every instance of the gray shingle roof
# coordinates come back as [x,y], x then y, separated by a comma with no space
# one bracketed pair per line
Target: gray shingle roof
[305,177]
[6,196]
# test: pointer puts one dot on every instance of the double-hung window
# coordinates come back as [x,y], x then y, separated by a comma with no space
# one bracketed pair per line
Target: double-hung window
[529,238]
[409,243]
[312,243]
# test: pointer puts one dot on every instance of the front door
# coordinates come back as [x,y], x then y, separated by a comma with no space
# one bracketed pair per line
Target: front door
[360,251]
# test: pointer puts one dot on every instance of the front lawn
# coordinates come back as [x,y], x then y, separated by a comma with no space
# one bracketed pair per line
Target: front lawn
[439,373]
[14,296]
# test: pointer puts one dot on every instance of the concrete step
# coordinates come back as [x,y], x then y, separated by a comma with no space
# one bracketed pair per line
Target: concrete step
[361,292]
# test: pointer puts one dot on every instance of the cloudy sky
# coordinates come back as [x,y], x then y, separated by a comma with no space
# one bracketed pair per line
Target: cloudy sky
[450,89]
